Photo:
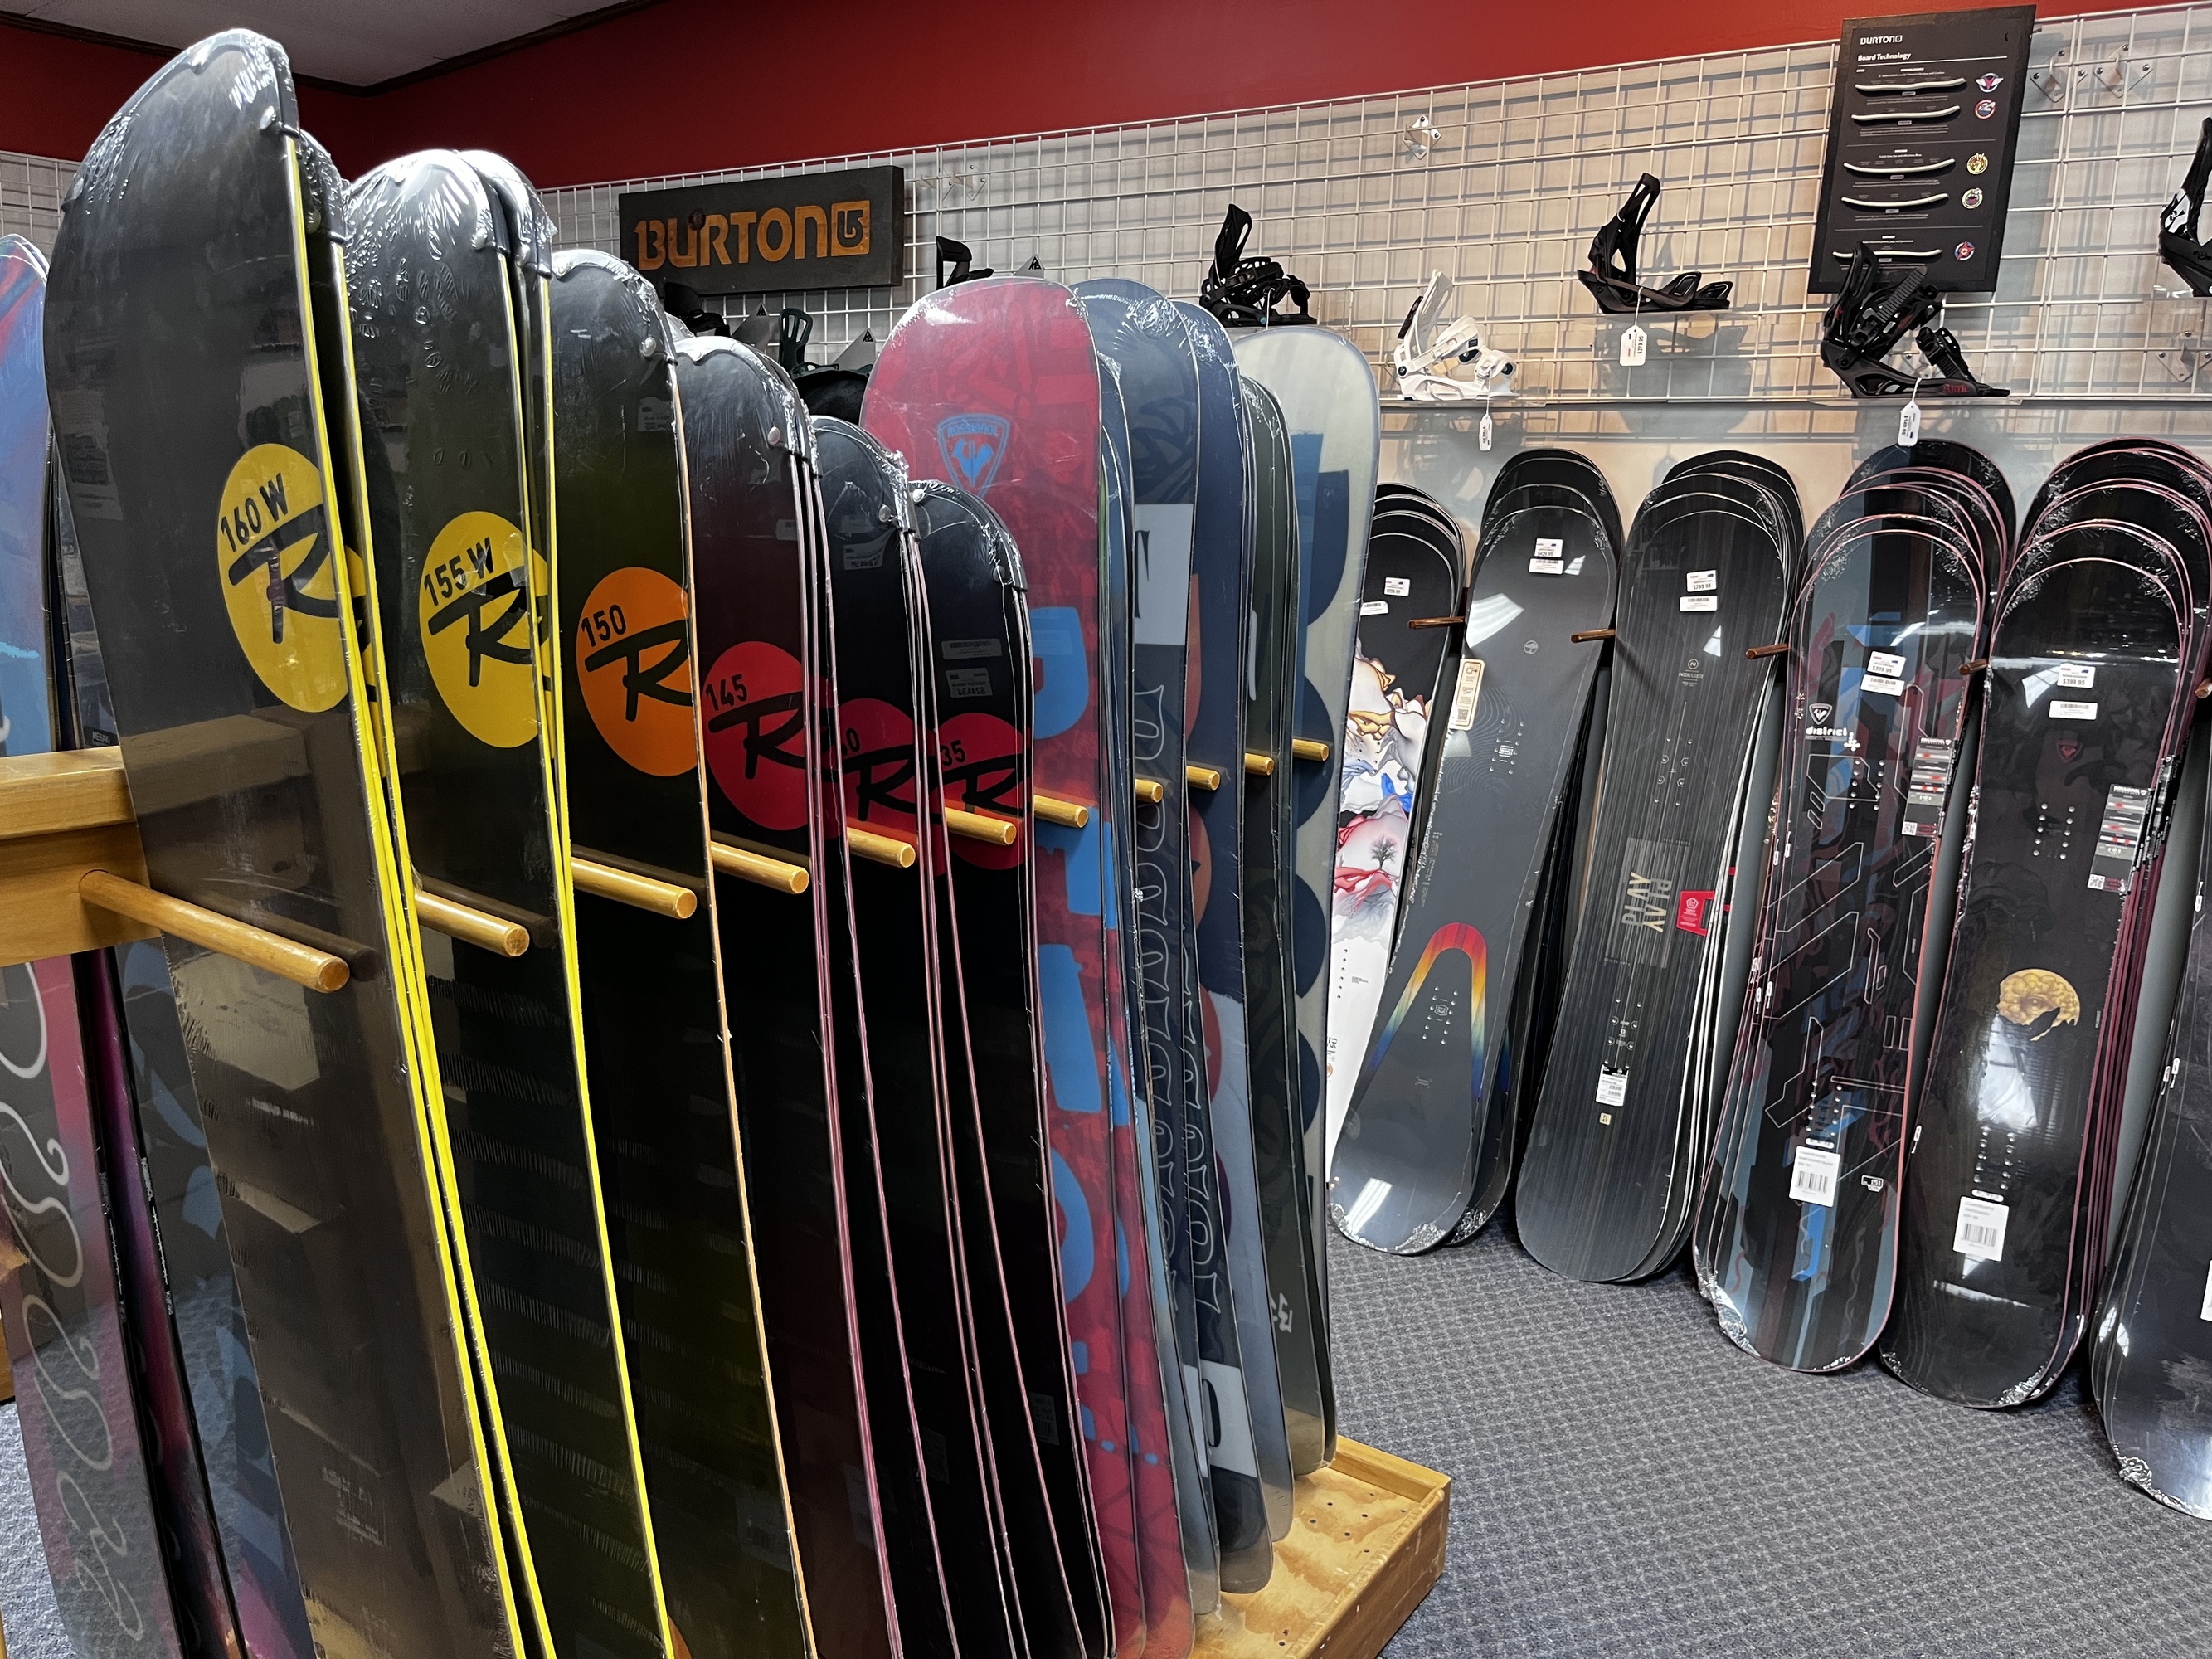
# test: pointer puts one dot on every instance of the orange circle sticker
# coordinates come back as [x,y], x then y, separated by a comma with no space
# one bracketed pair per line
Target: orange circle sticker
[634,663]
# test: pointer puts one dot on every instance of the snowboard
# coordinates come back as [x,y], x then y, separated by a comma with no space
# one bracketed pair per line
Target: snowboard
[1270,825]
[1220,636]
[1147,342]
[979,662]
[757,560]
[1414,575]
[2001,1232]
[865,499]
[238,699]
[1797,1228]
[993,386]
[1326,390]
[1432,1077]
[1623,1111]
[449,554]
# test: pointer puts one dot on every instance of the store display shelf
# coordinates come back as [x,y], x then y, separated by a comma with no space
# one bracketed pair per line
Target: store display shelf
[1366,1544]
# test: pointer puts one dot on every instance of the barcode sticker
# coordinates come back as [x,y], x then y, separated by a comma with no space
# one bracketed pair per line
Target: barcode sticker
[1885,663]
[1882,683]
[1397,587]
[1701,601]
[2077,677]
[1375,608]
[1704,581]
[2073,711]
[1813,1175]
[1981,1229]
[968,682]
[1612,1086]
[1468,695]
[1550,558]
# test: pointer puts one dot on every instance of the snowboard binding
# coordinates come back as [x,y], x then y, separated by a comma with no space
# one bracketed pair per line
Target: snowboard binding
[2186,257]
[1611,277]
[1243,292]
[682,302]
[1424,354]
[954,260]
[1874,310]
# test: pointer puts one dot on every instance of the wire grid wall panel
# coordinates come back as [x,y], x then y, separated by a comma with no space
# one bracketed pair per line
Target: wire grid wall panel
[31,191]
[1503,184]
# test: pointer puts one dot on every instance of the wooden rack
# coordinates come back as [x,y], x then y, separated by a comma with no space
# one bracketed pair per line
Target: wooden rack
[1367,1534]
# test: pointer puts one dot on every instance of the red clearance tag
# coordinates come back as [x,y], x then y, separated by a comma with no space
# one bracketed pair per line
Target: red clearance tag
[1690,910]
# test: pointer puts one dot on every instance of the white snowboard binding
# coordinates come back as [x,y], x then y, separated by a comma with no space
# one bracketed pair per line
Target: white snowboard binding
[1424,354]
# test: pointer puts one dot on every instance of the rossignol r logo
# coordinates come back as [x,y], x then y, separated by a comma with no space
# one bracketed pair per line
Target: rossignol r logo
[973,446]
[634,669]
[280,584]
[473,608]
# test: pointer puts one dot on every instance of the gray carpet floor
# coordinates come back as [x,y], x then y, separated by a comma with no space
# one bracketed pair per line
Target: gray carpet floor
[1627,1483]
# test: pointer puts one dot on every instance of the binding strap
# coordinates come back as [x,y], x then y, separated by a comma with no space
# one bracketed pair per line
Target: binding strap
[2186,257]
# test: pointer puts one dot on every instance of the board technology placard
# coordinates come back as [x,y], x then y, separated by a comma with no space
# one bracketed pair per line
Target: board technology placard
[1922,129]
[782,235]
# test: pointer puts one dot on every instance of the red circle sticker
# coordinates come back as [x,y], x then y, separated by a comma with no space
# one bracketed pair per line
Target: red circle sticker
[981,758]
[875,755]
[1965,250]
[633,664]
[752,712]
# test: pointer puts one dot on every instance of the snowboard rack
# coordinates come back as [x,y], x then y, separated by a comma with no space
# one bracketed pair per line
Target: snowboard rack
[1243,292]
[1873,310]
[1611,277]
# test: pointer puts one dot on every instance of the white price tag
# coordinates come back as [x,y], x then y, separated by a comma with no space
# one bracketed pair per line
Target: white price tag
[1703,581]
[2073,711]
[1375,608]
[1981,1229]
[1813,1175]
[1908,423]
[1548,559]
[1883,684]
[1484,435]
[1701,601]
[1612,1086]
[1633,343]
[1469,694]
[2205,1312]
[1884,662]
[1397,587]
[2077,675]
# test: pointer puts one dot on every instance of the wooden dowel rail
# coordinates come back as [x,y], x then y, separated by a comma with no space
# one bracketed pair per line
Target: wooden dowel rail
[1151,791]
[1307,749]
[1975,667]
[470,925]
[1202,777]
[1067,814]
[981,826]
[1589,634]
[1258,766]
[879,849]
[778,875]
[318,970]
[662,898]
[1780,648]
[1434,622]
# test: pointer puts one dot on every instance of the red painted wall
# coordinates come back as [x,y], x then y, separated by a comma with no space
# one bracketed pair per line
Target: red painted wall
[694,85]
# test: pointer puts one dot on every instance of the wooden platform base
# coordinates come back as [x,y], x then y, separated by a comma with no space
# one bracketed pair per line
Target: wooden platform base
[1366,1544]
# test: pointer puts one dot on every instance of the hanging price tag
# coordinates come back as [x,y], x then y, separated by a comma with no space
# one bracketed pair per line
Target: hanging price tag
[1908,425]
[1484,433]
[1634,341]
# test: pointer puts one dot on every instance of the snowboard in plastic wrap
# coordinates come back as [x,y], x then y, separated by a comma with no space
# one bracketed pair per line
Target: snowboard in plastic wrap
[978,664]
[992,386]
[1410,577]
[452,556]
[2082,695]
[197,445]
[1326,390]
[757,564]
[1278,1129]
[1616,1143]
[1511,709]
[889,853]
[1800,1204]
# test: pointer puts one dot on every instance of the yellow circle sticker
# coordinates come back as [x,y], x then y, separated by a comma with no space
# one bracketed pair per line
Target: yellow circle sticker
[473,606]
[280,584]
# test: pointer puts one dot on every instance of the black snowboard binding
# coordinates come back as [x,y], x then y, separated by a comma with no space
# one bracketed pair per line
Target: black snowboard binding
[1243,292]
[793,330]
[2186,257]
[1871,313]
[953,260]
[682,303]
[1611,277]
